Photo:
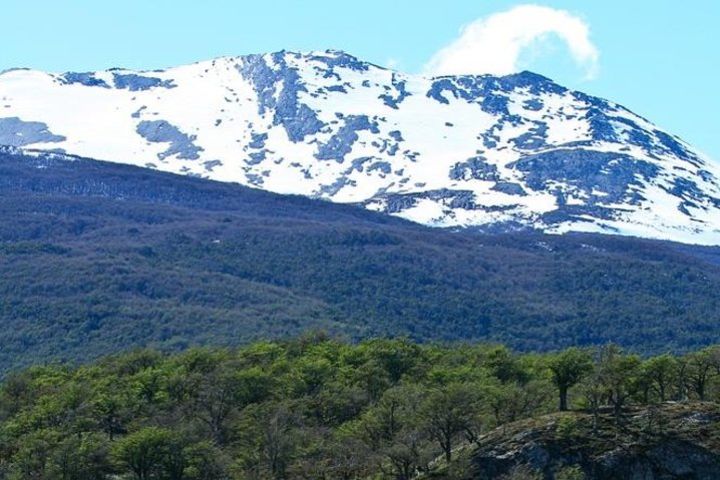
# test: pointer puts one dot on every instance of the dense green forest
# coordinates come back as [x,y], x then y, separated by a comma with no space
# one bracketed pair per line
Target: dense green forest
[98,258]
[317,408]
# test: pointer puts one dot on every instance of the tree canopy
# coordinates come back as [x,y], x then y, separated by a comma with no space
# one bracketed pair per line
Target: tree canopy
[313,407]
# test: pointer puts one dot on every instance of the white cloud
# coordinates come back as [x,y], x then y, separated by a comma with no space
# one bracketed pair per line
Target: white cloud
[494,44]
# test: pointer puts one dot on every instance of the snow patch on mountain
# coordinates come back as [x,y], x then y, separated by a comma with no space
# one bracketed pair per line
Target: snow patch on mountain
[485,152]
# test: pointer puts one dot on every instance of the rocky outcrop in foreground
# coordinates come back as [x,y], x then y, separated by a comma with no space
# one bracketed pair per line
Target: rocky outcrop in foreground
[669,441]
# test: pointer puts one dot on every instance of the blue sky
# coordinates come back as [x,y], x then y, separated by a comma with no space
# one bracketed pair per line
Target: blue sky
[659,58]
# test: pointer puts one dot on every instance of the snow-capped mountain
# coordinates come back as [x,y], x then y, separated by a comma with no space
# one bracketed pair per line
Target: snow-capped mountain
[511,152]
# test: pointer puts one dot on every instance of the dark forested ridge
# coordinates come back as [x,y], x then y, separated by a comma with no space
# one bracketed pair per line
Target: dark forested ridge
[98,257]
[318,409]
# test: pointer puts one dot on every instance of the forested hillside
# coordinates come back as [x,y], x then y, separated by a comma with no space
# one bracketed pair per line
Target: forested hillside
[316,408]
[96,258]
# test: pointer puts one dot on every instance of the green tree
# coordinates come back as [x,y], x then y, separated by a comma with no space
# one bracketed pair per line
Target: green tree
[505,366]
[32,459]
[568,368]
[512,401]
[148,453]
[269,437]
[447,412]
[661,373]
[81,457]
[217,396]
[700,369]
[617,373]
[594,392]
[394,430]
[204,461]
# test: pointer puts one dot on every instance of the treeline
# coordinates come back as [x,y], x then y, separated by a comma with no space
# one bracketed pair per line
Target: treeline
[312,408]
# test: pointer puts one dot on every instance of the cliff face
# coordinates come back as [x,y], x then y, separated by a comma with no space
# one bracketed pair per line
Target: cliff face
[670,441]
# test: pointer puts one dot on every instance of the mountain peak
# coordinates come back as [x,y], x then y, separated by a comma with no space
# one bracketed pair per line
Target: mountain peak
[475,151]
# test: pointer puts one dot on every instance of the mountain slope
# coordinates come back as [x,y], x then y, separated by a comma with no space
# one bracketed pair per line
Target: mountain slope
[495,153]
[98,257]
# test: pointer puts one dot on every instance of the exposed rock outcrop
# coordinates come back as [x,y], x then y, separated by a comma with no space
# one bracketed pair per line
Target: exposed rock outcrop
[666,442]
